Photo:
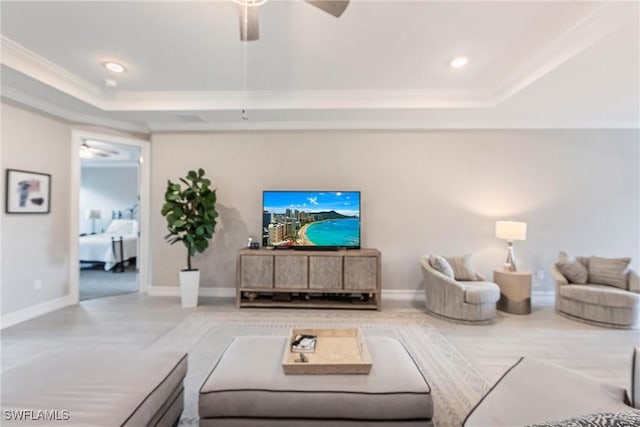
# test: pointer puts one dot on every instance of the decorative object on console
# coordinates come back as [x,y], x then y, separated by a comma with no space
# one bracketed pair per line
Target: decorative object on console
[27,192]
[93,214]
[191,219]
[511,231]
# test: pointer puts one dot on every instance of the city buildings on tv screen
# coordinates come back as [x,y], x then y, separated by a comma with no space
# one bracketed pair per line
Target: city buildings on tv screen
[311,218]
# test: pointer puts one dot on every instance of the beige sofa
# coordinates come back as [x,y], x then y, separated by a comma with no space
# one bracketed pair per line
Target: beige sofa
[598,304]
[536,393]
[468,301]
[95,387]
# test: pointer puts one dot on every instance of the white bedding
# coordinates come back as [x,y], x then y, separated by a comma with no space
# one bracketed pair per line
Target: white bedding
[98,248]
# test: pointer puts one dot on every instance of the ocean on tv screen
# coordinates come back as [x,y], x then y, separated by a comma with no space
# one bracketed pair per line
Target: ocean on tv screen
[311,218]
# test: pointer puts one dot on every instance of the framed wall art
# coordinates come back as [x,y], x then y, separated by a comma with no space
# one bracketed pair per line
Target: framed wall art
[27,192]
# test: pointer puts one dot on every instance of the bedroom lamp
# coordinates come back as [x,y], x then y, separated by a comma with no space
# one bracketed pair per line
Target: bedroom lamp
[511,231]
[93,214]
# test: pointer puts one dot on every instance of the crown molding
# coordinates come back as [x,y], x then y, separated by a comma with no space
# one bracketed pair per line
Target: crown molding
[601,22]
[282,100]
[29,63]
[366,125]
[38,104]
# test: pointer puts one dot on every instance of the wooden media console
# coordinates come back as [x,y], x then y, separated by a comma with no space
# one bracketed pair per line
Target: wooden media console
[307,279]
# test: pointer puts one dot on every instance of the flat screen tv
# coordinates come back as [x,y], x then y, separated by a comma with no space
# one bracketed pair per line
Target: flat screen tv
[311,219]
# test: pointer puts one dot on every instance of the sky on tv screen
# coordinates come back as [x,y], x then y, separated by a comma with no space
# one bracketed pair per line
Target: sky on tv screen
[344,202]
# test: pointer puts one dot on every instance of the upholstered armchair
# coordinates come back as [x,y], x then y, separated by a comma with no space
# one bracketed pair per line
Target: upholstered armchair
[582,295]
[469,301]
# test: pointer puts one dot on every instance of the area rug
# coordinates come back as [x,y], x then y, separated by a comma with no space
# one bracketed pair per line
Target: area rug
[456,385]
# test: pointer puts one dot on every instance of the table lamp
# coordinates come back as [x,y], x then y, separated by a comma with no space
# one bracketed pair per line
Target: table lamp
[93,214]
[511,231]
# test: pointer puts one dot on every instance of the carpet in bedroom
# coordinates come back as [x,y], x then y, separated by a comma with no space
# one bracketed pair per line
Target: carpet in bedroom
[456,385]
[95,282]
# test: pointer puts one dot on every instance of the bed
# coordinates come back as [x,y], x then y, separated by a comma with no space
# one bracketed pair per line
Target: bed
[106,247]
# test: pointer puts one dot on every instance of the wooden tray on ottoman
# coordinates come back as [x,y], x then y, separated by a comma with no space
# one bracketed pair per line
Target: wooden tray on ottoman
[338,351]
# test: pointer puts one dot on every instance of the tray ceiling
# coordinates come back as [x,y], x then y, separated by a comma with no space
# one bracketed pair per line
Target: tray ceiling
[382,64]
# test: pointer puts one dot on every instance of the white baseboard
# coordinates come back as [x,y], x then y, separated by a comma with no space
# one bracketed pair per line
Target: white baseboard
[174,291]
[37,310]
[543,297]
[537,297]
[402,294]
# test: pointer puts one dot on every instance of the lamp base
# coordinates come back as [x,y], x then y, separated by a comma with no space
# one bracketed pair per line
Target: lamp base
[510,263]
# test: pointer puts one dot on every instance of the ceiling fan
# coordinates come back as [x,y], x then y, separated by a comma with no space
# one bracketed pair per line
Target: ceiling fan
[249,29]
[87,151]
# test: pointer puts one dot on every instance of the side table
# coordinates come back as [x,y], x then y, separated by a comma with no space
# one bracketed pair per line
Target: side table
[515,291]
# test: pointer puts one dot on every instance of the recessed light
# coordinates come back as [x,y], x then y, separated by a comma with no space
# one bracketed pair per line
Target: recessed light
[459,62]
[114,66]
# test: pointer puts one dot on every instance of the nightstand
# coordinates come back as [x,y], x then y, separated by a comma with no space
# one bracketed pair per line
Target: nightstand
[515,291]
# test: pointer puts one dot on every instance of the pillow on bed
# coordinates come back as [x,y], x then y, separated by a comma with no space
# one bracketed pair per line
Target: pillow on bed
[123,226]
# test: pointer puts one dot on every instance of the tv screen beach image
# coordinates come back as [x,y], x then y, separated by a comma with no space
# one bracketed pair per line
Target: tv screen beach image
[311,218]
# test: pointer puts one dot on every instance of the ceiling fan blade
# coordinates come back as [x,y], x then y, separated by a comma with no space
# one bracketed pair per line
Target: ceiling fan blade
[102,150]
[335,7]
[97,153]
[249,29]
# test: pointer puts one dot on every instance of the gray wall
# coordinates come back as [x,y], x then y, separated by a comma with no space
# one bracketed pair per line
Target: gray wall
[422,191]
[35,246]
[106,189]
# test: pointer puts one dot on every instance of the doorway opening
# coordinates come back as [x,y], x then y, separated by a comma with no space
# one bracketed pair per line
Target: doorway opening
[108,214]
[109,199]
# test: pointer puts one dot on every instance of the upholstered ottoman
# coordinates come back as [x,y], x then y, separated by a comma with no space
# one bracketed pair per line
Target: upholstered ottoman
[534,392]
[247,387]
[95,388]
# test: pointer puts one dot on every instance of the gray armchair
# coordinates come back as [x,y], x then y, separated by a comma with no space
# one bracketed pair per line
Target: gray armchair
[465,301]
[602,305]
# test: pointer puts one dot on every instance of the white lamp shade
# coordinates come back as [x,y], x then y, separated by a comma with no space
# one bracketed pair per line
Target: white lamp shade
[511,230]
[93,214]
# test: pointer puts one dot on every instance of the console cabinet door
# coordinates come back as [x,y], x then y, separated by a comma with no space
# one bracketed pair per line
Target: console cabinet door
[325,272]
[256,271]
[360,273]
[291,272]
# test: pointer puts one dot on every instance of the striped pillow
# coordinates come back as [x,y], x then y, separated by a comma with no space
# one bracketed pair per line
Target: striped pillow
[462,268]
[440,264]
[572,269]
[609,271]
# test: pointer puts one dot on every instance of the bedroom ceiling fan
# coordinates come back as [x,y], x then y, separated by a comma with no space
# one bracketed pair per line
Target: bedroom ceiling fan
[249,28]
[86,151]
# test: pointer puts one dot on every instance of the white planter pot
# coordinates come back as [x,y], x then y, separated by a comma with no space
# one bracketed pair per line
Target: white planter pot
[189,285]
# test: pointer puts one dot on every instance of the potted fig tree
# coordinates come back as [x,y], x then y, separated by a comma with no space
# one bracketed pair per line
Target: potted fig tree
[191,219]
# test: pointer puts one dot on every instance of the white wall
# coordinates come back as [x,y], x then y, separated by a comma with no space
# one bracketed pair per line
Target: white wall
[35,246]
[106,189]
[422,191]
